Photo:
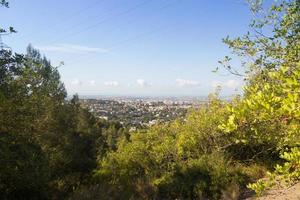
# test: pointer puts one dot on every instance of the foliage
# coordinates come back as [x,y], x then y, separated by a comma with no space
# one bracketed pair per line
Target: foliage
[49,145]
[53,148]
[286,174]
[268,113]
[179,160]
[24,168]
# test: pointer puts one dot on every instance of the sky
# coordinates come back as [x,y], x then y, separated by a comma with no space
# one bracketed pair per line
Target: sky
[131,47]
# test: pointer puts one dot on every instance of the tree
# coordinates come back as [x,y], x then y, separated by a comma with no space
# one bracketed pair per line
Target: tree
[180,160]
[268,114]
[24,165]
[24,171]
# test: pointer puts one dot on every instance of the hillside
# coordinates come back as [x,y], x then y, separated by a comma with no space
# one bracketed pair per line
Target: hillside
[54,147]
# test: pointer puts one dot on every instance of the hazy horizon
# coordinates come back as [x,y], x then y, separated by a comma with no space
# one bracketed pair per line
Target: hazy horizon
[145,48]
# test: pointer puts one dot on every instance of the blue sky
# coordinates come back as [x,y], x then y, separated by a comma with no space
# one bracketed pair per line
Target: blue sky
[131,47]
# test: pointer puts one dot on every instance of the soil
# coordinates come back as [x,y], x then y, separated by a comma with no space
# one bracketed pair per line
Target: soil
[290,193]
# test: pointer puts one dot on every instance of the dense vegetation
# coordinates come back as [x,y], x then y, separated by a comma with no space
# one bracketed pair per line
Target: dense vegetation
[52,148]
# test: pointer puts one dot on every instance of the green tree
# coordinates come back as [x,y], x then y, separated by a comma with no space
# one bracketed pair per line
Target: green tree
[24,171]
[24,165]
[180,160]
[268,115]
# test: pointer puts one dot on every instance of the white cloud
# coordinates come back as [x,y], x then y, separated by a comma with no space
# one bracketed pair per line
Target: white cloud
[231,84]
[92,82]
[76,82]
[143,83]
[186,83]
[112,83]
[216,84]
[71,48]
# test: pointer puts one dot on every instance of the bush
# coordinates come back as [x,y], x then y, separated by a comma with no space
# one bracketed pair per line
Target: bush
[180,160]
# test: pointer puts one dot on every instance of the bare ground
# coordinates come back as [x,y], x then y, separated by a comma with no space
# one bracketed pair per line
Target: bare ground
[290,193]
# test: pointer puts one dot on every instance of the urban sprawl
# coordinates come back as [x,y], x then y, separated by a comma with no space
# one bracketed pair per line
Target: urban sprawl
[141,112]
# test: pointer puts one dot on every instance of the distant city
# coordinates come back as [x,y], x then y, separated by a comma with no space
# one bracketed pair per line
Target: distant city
[139,112]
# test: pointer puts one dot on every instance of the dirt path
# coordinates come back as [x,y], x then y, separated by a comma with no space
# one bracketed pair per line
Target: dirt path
[291,193]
